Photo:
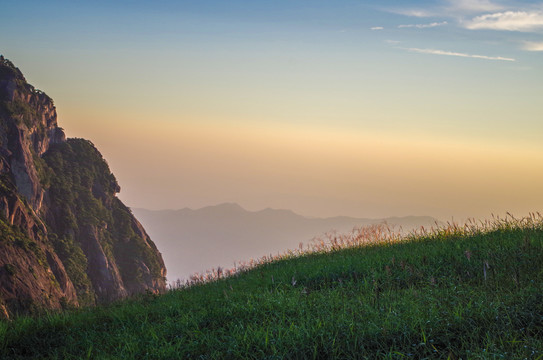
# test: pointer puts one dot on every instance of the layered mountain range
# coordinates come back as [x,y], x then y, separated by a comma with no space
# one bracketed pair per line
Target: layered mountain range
[65,238]
[196,240]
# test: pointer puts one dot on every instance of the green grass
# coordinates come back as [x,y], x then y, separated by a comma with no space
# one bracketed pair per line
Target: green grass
[462,293]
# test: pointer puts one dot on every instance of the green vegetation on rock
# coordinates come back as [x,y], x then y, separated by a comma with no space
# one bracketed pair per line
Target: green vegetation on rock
[133,247]
[44,172]
[80,184]
[83,191]
[75,264]
[13,236]
[10,269]
[20,110]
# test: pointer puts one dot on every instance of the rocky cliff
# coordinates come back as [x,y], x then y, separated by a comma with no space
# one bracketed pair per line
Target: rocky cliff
[65,238]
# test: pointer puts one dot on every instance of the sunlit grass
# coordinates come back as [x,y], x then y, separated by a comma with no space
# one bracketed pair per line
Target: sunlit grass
[473,291]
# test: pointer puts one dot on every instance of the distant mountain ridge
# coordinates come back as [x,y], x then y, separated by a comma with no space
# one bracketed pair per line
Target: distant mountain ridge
[201,239]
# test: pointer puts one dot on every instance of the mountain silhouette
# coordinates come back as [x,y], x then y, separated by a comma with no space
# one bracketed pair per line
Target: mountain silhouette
[198,240]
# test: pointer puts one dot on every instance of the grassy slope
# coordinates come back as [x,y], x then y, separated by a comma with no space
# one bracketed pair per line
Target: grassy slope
[452,295]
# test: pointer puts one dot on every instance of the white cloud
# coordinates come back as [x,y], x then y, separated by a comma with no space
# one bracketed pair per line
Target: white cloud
[412,12]
[392,42]
[423,26]
[418,13]
[533,46]
[377,28]
[509,20]
[474,6]
[451,53]
[451,8]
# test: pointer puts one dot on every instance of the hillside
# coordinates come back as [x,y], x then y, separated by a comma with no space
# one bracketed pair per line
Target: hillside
[65,238]
[198,240]
[464,293]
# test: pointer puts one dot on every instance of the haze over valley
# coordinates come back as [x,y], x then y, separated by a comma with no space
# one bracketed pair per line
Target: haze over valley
[193,241]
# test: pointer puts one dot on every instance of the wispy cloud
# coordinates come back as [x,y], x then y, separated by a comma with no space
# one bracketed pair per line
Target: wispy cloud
[392,42]
[450,8]
[412,12]
[423,26]
[473,6]
[533,46]
[377,28]
[510,20]
[451,53]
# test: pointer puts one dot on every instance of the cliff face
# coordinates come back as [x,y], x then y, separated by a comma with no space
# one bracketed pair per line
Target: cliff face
[65,238]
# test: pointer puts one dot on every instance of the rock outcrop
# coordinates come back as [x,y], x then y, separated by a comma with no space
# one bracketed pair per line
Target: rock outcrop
[65,238]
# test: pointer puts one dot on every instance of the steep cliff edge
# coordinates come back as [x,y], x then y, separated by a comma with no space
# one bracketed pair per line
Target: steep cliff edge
[65,238]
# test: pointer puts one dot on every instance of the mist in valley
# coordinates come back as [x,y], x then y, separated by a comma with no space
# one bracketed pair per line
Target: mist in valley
[194,241]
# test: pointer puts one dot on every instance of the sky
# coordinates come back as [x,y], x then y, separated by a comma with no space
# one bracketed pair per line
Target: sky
[361,108]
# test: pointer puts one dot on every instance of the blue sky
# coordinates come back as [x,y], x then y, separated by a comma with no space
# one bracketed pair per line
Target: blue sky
[420,81]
